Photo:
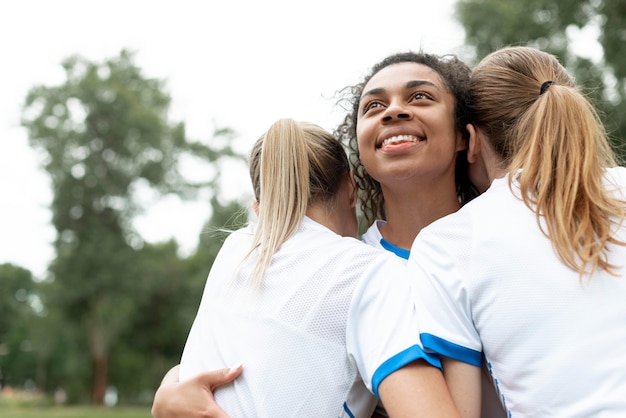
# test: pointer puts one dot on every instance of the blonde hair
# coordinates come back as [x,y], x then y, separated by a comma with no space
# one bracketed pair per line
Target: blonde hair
[552,139]
[293,165]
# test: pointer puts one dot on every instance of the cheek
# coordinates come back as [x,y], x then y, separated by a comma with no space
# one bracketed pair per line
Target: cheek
[364,138]
[451,139]
[360,134]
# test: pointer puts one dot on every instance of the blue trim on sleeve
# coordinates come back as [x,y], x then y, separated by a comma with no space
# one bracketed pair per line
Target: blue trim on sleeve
[452,350]
[400,252]
[400,360]
[345,408]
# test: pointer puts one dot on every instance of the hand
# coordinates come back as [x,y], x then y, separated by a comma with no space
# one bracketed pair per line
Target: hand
[192,398]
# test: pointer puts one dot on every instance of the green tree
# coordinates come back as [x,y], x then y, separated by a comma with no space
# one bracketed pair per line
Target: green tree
[17,288]
[106,137]
[17,294]
[32,339]
[225,217]
[545,24]
[165,318]
[157,330]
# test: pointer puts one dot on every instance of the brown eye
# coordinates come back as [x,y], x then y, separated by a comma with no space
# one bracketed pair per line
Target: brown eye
[370,106]
[420,96]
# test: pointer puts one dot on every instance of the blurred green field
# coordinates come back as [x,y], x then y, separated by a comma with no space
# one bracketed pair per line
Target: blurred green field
[23,404]
[73,412]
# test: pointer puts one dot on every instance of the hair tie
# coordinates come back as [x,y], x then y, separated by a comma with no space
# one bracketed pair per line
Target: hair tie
[545,86]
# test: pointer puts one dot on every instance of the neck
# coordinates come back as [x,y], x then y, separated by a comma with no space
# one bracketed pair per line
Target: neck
[497,172]
[409,212]
[331,219]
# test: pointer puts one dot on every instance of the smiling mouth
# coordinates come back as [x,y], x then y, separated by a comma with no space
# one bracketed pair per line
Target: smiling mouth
[400,139]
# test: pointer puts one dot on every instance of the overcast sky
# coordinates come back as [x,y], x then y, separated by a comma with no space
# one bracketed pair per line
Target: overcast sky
[237,64]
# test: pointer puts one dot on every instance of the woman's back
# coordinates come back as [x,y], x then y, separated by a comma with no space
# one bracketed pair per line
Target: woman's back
[554,341]
[296,333]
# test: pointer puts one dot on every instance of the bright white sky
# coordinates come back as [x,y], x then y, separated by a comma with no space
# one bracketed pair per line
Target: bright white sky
[238,64]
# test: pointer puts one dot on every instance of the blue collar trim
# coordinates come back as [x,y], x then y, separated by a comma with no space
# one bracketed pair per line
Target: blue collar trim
[400,252]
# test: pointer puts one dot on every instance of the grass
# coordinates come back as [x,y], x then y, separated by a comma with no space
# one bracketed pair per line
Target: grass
[73,412]
[28,405]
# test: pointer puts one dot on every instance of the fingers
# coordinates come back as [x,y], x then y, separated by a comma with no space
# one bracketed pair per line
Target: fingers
[172,375]
[192,398]
[217,378]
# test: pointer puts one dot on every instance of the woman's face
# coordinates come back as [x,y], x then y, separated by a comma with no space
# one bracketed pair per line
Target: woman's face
[406,126]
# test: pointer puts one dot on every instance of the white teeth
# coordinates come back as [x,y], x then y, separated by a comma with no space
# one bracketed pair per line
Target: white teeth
[399,138]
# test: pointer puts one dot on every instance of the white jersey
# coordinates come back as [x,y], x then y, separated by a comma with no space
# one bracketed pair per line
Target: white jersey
[332,318]
[374,238]
[494,286]
[491,405]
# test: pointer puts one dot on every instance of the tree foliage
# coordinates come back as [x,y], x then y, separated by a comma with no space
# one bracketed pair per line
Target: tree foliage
[18,293]
[549,25]
[106,137]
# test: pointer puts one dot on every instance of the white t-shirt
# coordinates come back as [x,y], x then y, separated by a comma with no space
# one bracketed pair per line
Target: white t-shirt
[332,318]
[491,283]
[374,238]
[490,402]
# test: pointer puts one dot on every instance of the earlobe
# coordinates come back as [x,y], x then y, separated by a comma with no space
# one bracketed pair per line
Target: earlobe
[473,149]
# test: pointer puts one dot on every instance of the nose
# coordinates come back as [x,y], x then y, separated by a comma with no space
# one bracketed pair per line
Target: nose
[396,112]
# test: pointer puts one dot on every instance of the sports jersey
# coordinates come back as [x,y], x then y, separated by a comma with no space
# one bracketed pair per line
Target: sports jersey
[490,403]
[491,284]
[331,319]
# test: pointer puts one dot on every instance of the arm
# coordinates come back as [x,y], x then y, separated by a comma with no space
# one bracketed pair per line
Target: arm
[192,398]
[417,390]
[438,271]
[464,382]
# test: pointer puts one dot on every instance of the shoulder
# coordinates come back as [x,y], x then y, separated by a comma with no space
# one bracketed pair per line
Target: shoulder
[450,241]
[317,239]
[373,236]
[235,238]
[615,180]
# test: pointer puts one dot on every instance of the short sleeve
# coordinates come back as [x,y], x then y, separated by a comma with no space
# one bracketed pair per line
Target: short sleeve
[441,296]
[383,333]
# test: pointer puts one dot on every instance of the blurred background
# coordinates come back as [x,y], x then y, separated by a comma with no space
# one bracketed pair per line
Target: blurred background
[124,132]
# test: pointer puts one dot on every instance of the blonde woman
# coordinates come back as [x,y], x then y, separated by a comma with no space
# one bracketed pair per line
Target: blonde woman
[321,321]
[531,275]
[405,126]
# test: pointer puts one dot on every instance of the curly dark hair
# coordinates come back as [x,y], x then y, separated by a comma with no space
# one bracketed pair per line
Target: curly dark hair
[456,76]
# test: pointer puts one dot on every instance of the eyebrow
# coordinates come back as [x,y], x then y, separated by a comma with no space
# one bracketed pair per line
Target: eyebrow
[409,85]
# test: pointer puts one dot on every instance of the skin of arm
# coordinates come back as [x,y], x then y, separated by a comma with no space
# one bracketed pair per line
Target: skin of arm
[464,383]
[192,398]
[417,390]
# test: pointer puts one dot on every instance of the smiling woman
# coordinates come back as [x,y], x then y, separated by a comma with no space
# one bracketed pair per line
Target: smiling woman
[407,137]
[418,103]
[417,96]
[409,184]
[300,74]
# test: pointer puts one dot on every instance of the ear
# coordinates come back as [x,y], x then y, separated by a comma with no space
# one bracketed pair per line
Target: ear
[475,143]
[255,207]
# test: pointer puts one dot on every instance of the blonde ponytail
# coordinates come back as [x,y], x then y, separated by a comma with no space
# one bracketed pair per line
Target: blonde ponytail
[555,145]
[294,165]
[283,192]
[561,155]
